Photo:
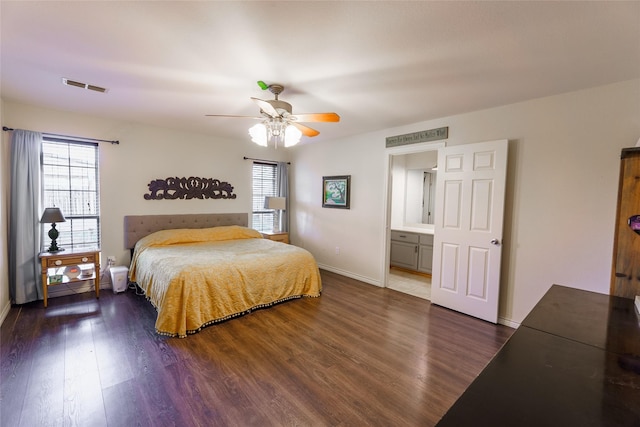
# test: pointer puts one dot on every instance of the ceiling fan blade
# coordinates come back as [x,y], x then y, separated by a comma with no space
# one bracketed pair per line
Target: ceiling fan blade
[316,117]
[234,116]
[266,107]
[306,130]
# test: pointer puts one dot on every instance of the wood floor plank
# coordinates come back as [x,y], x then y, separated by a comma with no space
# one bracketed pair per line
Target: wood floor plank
[124,405]
[18,339]
[358,355]
[44,400]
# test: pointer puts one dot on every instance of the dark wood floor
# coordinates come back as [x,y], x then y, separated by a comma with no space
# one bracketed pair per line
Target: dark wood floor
[358,355]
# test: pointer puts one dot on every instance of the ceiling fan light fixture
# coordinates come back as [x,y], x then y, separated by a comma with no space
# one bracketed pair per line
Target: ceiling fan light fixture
[277,132]
[292,136]
[258,134]
[278,125]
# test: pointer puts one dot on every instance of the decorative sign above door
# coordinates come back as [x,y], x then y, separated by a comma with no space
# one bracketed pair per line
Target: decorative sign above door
[416,137]
[189,188]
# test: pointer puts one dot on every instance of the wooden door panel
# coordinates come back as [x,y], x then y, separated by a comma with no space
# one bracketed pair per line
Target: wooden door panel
[478,278]
[481,196]
[449,267]
[454,163]
[484,160]
[468,228]
[452,213]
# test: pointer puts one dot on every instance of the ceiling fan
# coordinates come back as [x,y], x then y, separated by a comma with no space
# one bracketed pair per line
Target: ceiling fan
[279,124]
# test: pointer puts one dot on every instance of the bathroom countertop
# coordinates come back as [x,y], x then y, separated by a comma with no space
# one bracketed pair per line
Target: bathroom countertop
[419,230]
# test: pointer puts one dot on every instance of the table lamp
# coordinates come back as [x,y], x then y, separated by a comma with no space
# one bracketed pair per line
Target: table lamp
[53,215]
[278,204]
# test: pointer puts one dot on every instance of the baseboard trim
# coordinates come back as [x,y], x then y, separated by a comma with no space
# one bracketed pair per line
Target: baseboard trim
[5,312]
[351,275]
[507,322]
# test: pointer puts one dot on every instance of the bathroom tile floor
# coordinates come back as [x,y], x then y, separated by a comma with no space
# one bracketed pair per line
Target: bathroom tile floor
[409,283]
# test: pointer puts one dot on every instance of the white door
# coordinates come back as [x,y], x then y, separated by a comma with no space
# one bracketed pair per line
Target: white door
[470,189]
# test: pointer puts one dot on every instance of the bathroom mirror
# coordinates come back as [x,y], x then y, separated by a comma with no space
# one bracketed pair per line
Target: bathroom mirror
[420,192]
[413,183]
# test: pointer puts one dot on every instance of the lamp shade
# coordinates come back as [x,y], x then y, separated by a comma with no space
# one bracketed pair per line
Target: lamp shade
[52,215]
[292,136]
[277,203]
[258,134]
[275,131]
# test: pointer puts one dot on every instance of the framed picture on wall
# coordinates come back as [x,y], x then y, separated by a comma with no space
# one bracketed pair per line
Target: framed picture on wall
[336,191]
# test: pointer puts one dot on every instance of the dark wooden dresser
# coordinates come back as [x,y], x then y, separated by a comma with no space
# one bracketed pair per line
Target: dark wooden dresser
[574,361]
[625,273]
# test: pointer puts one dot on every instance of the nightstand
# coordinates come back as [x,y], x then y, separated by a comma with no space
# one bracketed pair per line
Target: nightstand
[276,236]
[54,263]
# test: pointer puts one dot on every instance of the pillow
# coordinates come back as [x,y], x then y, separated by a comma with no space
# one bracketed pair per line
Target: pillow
[194,235]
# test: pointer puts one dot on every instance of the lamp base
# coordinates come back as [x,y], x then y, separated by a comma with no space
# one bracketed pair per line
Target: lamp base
[53,235]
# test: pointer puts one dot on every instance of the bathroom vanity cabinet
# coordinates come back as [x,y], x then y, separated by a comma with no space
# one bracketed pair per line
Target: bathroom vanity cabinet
[413,251]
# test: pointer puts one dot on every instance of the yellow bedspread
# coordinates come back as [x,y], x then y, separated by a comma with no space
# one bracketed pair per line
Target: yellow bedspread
[198,277]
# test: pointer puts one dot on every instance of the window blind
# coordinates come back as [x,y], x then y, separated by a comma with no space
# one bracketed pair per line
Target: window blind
[265,184]
[70,181]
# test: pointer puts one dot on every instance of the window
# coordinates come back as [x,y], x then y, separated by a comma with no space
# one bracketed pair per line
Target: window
[265,184]
[70,182]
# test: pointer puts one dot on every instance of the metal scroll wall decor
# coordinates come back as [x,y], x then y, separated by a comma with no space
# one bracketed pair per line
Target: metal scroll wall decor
[189,188]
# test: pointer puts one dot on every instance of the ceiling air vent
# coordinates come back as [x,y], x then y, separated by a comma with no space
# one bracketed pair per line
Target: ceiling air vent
[70,82]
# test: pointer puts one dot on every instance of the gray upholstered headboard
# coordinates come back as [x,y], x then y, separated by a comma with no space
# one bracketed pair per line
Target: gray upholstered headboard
[138,226]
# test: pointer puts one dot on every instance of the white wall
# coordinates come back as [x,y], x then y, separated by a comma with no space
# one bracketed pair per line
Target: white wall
[356,231]
[398,172]
[4,191]
[144,154]
[561,196]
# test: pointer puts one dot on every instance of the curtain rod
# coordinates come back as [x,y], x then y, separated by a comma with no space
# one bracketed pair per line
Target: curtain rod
[4,128]
[261,160]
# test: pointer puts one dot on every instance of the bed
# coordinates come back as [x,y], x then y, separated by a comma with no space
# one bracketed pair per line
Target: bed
[200,269]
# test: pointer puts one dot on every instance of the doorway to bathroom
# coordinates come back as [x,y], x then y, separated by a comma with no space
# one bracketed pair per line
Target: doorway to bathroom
[409,243]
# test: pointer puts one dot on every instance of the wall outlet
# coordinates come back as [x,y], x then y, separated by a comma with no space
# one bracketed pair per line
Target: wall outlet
[111,259]
[337,250]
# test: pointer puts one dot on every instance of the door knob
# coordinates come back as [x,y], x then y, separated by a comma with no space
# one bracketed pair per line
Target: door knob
[495,242]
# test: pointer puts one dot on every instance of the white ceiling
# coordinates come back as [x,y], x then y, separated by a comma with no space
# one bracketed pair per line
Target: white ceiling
[377,64]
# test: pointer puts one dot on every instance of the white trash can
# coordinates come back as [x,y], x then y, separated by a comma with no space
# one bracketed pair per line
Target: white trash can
[119,279]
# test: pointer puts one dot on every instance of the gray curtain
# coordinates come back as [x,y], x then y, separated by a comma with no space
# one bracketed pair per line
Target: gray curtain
[24,217]
[283,191]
